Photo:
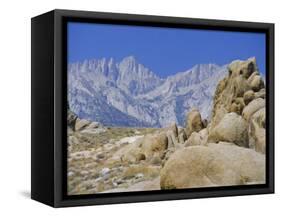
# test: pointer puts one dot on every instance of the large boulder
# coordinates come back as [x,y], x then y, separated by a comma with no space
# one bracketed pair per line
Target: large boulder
[193,122]
[154,145]
[257,131]
[232,128]
[257,83]
[129,153]
[199,138]
[194,139]
[237,105]
[248,96]
[81,124]
[253,107]
[213,165]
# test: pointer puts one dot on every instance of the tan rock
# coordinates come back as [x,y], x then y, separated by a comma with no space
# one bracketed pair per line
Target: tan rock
[193,140]
[239,86]
[173,128]
[172,140]
[257,131]
[212,165]
[250,79]
[244,68]
[248,96]
[199,138]
[260,94]
[218,114]
[204,136]
[94,125]
[232,128]
[193,122]
[81,124]
[154,144]
[257,83]
[253,107]
[130,152]
[182,136]
[172,135]
[237,105]
[156,160]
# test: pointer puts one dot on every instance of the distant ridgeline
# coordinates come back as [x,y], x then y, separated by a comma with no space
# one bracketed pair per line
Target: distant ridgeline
[128,94]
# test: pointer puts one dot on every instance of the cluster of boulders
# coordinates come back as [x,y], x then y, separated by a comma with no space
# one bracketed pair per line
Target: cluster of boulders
[229,150]
[239,107]
[154,148]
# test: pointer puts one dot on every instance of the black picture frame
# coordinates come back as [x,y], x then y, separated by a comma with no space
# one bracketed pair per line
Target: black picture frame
[49,106]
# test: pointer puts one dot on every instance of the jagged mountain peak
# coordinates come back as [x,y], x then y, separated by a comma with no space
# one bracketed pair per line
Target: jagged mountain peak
[140,95]
[129,59]
[131,65]
[205,65]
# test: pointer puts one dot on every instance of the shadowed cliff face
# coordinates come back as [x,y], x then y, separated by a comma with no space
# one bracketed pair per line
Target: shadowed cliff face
[226,150]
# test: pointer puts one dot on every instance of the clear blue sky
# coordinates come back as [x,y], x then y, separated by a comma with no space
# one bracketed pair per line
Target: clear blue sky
[164,50]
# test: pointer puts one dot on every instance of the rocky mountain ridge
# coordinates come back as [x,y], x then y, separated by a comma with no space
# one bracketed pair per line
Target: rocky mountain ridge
[126,93]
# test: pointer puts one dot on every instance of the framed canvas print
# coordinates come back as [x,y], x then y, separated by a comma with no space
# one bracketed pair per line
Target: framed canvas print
[134,108]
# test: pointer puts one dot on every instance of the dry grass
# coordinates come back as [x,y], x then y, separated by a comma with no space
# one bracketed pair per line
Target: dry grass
[85,163]
[112,134]
[146,170]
